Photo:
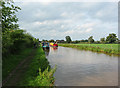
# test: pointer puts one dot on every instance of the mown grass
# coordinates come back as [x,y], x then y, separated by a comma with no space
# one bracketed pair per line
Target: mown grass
[105,48]
[39,72]
[11,61]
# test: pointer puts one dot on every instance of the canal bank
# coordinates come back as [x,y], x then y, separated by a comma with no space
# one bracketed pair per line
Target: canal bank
[34,70]
[10,62]
[39,72]
[103,48]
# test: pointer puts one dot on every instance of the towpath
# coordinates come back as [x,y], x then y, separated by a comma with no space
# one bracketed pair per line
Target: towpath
[17,74]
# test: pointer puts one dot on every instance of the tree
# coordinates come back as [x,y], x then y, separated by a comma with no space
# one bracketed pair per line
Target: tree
[84,40]
[77,41]
[97,42]
[51,40]
[68,39]
[9,19]
[9,23]
[117,41]
[43,40]
[102,40]
[112,38]
[13,38]
[90,39]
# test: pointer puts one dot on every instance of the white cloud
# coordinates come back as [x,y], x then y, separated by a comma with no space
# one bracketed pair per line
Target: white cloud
[99,14]
[62,26]
[39,13]
[79,20]
[89,29]
[46,22]
[69,32]
[66,1]
[37,23]
[64,14]
[87,25]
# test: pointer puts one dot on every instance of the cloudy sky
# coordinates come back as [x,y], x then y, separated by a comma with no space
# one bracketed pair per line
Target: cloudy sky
[80,20]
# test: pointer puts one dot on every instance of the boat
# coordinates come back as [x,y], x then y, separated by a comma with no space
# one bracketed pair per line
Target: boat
[53,44]
[45,45]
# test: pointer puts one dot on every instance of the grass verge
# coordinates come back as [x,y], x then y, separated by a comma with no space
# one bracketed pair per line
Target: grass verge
[39,72]
[104,48]
[11,61]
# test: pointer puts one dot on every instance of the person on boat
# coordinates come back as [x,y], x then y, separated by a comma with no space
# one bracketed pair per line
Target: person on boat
[43,44]
[47,44]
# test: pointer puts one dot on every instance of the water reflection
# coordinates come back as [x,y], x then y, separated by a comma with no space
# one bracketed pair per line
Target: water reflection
[54,48]
[46,51]
[83,68]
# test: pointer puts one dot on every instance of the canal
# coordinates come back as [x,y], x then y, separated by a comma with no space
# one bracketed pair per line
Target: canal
[83,68]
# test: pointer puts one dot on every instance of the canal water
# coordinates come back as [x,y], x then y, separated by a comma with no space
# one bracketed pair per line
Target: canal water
[83,68]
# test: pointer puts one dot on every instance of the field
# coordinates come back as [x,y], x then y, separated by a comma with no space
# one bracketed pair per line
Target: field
[105,48]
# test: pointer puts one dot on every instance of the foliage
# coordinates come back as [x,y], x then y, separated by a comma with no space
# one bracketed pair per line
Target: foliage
[36,42]
[76,41]
[44,78]
[51,40]
[39,72]
[80,41]
[102,40]
[13,38]
[90,39]
[13,61]
[112,38]
[97,42]
[14,41]
[9,19]
[68,39]
[84,40]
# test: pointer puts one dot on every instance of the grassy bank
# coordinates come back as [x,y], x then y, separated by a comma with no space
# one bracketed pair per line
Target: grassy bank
[11,61]
[39,72]
[104,48]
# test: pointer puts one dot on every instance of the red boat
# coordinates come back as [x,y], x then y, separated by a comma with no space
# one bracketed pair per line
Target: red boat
[54,44]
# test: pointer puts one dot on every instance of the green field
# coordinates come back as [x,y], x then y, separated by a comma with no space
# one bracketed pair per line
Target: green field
[105,48]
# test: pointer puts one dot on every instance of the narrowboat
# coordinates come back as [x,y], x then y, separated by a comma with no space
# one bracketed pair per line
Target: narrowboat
[54,44]
[45,45]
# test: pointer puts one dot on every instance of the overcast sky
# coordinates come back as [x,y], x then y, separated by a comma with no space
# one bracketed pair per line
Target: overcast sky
[80,20]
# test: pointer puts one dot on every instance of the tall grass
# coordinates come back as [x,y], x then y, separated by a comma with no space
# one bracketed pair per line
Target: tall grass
[105,48]
[11,61]
[39,72]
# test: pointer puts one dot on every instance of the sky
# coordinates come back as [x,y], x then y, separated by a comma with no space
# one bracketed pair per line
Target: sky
[79,20]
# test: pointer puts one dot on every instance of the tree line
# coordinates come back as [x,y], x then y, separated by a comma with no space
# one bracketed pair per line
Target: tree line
[13,38]
[111,38]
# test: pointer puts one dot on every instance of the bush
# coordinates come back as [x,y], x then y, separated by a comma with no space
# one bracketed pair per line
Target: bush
[15,40]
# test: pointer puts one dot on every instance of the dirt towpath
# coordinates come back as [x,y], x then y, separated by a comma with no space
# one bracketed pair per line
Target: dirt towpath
[17,74]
